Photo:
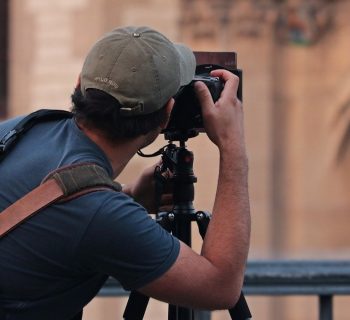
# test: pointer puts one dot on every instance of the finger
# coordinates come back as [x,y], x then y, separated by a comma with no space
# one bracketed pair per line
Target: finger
[157,164]
[223,74]
[167,174]
[204,96]
[153,169]
[230,79]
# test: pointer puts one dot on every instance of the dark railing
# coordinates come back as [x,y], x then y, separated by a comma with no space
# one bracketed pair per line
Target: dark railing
[324,279]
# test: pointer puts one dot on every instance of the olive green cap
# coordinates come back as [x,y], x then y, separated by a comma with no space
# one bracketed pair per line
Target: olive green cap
[139,67]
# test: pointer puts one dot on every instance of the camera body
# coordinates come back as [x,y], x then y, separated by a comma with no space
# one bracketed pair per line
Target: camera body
[186,118]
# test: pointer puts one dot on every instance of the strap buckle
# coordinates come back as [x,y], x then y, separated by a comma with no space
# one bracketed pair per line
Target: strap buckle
[7,140]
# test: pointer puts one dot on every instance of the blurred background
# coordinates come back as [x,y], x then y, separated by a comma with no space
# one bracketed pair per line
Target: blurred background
[296,65]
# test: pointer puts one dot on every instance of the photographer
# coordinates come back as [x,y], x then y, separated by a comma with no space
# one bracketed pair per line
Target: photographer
[54,263]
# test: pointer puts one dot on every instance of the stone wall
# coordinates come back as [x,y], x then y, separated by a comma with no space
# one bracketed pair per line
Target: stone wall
[296,100]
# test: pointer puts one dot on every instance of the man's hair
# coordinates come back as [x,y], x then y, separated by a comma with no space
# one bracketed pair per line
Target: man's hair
[99,110]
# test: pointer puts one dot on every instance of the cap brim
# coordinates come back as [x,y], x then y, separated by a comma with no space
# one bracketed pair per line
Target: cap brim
[187,64]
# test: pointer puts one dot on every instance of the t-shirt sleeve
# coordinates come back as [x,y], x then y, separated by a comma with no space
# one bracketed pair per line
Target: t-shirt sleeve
[123,241]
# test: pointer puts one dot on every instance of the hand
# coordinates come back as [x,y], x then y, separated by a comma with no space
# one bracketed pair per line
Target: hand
[221,265]
[143,191]
[223,120]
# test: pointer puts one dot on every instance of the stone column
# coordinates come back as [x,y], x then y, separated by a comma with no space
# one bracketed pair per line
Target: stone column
[48,41]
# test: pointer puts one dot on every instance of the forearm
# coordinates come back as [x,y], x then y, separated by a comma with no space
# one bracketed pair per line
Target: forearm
[220,268]
[227,240]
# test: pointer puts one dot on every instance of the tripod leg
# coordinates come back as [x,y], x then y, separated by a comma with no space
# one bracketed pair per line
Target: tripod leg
[172,312]
[179,313]
[184,313]
[136,306]
[137,302]
[241,310]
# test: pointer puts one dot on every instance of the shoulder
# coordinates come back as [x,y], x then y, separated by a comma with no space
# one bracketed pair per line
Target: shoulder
[112,211]
[110,202]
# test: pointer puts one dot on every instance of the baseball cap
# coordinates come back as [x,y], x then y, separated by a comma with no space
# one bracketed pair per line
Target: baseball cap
[139,67]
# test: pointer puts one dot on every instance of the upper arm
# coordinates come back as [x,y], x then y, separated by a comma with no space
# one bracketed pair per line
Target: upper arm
[195,282]
[122,241]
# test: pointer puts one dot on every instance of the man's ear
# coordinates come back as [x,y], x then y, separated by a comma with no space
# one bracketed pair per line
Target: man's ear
[168,108]
[77,86]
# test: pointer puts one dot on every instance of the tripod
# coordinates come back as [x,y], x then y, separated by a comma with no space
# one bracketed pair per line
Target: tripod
[179,161]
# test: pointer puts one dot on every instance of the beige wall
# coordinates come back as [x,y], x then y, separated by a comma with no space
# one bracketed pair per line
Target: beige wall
[293,97]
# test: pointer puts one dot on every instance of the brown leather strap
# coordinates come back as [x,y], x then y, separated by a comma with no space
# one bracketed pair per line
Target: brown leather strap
[31,203]
[64,184]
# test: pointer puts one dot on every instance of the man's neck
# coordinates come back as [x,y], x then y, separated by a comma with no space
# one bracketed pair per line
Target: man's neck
[119,152]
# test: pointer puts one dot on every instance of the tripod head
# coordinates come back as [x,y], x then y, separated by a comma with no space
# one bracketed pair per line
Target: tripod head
[178,160]
[181,135]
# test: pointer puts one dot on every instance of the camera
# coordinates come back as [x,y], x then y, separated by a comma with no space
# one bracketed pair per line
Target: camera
[186,118]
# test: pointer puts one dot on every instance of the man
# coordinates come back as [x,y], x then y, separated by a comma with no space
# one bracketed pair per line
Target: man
[53,264]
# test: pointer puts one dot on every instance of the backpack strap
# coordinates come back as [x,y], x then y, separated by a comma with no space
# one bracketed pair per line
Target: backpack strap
[10,138]
[63,184]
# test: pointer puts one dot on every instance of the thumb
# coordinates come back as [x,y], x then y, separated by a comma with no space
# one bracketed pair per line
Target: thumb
[203,95]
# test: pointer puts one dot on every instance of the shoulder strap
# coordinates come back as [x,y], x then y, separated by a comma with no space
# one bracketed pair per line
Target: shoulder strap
[63,184]
[10,138]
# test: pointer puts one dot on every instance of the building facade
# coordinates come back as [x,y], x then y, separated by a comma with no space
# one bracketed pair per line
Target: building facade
[294,56]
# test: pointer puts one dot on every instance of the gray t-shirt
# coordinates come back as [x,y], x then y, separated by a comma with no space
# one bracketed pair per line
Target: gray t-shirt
[52,265]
